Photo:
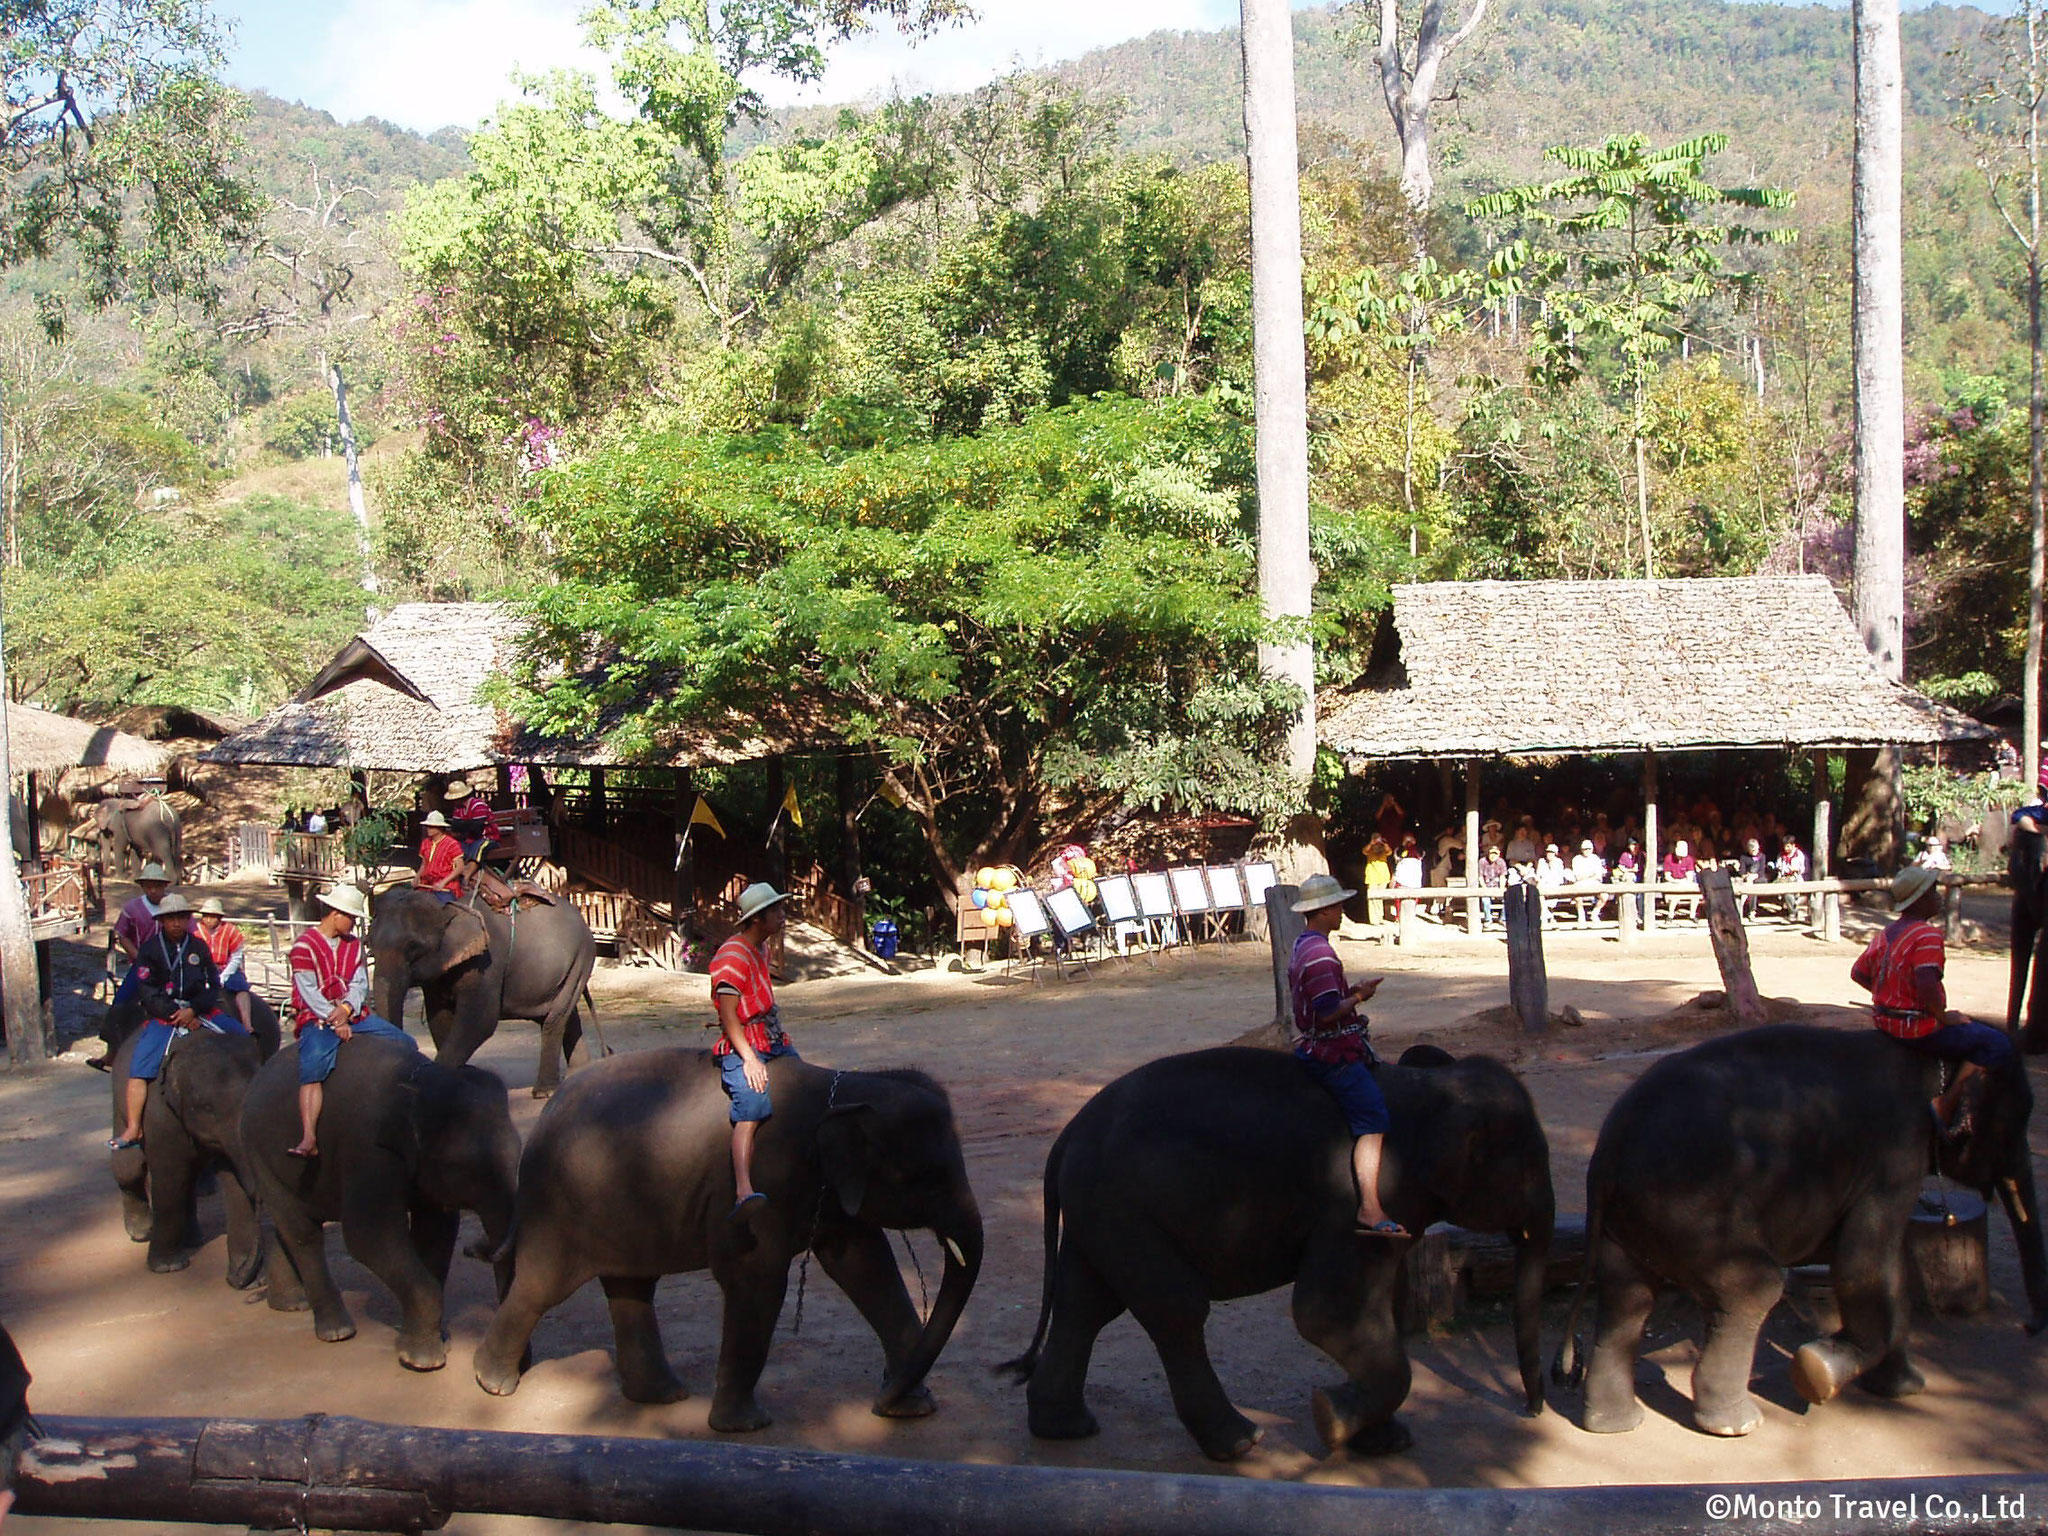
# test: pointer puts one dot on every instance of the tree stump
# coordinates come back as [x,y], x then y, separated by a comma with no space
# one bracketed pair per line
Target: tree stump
[1528,981]
[1283,926]
[1731,946]
[1946,1263]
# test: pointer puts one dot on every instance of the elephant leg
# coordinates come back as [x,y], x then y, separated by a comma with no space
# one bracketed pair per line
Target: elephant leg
[1737,1297]
[1869,1271]
[1170,1301]
[645,1375]
[173,1227]
[440,1016]
[131,1177]
[245,1232]
[472,1019]
[1626,1296]
[304,1241]
[753,1302]
[2026,931]
[1344,1305]
[539,1282]
[557,1051]
[380,1238]
[1083,1304]
[862,1263]
[434,1232]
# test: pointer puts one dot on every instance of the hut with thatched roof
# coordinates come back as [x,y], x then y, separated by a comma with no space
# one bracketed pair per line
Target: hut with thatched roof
[40,742]
[1499,670]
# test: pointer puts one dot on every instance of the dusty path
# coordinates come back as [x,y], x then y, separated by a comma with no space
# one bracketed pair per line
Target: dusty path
[105,1337]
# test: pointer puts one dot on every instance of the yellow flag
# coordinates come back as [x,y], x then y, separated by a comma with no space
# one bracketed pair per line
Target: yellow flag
[796,817]
[700,816]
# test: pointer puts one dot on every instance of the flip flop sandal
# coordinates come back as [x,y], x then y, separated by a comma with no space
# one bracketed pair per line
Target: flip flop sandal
[1947,1131]
[122,1143]
[736,1216]
[299,1153]
[1387,1228]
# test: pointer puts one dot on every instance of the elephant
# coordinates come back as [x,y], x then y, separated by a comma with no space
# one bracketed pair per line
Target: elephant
[2026,1009]
[191,1125]
[406,1146]
[1783,1145]
[629,1177]
[1227,1172]
[475,966]
[148,831]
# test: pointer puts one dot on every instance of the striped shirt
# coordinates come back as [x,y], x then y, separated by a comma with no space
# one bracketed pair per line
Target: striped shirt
[740,970]
[1887,966]
[1315,985]
[325,972]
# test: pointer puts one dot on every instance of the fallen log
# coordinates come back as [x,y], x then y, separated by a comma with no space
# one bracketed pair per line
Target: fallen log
[1452,1267]
[352,1475]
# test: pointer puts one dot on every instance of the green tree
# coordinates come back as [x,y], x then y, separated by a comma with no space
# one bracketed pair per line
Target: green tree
[1622,255]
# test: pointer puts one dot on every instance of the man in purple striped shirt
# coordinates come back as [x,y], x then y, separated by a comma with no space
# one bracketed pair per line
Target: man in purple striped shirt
[1331,1042]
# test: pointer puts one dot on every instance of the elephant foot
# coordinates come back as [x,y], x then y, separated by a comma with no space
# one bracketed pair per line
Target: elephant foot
[1612,1419]
[429,1353]
[1822,1368]
[286,1300]
[917,1403]
[660,1386]
[1051,1422]
[335,1330]
[497,1378]
[1730,1420]
[545,1090]
[1894,1376]
[1340,1425]
[243,1273]
[137,1224]
[741,1419]
[169,1263]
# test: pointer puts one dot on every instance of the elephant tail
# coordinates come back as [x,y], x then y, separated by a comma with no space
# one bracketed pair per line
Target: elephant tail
[1021,1368]
[1569,1368]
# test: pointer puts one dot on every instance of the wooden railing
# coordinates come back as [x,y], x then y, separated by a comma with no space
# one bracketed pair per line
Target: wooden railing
[62,899]
[598,859]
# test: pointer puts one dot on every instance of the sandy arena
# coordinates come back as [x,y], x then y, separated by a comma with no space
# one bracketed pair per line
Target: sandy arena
[105,1337]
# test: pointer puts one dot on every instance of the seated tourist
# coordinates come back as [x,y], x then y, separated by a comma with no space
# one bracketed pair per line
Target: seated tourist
[1587,869]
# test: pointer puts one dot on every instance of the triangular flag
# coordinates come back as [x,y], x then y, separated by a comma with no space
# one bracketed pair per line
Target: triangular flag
[700,816]
[796,817]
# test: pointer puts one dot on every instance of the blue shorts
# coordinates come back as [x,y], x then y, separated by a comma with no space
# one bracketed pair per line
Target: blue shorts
[156,1038]
[235,983]
[318,1043]
[1357,1093]
[130,987]
[732,1076]
[1985,1044]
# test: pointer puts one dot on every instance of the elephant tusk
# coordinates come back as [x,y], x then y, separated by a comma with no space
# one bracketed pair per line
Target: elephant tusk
[2018,1205]
[954,1249]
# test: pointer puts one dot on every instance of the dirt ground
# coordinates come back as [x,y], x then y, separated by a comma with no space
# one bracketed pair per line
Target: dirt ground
[105,1337]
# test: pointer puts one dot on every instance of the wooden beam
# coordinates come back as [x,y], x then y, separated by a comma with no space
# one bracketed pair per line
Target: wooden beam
[1731,946]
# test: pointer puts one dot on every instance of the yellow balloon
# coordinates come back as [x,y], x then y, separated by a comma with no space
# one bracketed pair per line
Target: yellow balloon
[985,877]
[1082,868]
[1085,888]
[997,901]
[1002,916]
[1005,880]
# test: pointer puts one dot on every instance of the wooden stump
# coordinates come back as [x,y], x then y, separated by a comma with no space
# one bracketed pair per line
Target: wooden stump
[1528,981]
[1731,946]
[1945,1254]
[1283,926]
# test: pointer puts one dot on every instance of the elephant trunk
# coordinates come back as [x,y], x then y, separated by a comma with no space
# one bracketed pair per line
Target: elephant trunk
[387,992]
[2023,1210]
[960,1236]
[1532,1268]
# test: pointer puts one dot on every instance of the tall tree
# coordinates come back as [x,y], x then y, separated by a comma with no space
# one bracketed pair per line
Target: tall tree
[1280,364]
[114,148]
[1408,84]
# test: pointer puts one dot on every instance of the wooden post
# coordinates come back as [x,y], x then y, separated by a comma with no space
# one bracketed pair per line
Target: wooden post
[1472,906]
[683,905]
[1283,926]
[504,782]
[1951,911]
[1625,914]
[1528,982]
[595,811]
[1827,915]
[1650,864]
[850,874]
[1731,946]
[1406,932]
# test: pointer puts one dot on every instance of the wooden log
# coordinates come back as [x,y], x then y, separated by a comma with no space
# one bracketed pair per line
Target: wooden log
[1283,926]
[1731,946]
[1947,1264]
[348,1474]
[1528,981]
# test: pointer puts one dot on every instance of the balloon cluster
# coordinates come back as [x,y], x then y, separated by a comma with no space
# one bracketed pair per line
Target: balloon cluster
[992,887]
[1078,870]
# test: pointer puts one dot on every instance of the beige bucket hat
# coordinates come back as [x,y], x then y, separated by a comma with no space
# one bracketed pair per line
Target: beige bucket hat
[1909,885]
[349,899]
[1319,891]
[758,898]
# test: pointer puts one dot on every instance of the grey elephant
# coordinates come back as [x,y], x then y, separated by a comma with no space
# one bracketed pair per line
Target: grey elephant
[191,1126]
[1726,1163]
[1225,1173]
[131,835]
[406,1146]
[629,1177]
[475,966]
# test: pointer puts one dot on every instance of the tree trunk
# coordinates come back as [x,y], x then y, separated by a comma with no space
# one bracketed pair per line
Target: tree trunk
[1280,362]
[1879,337]
[2037,408]
[355,487]
[1643,501]
[1409,99]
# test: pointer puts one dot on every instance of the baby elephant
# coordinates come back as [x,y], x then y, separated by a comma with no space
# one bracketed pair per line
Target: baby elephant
[406,1146]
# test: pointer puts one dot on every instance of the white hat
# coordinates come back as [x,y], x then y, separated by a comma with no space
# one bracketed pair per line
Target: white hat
[434,819]
[1319,891]
[210,907]
[349,899]
[153,871]
[758,898]
[1912,883]
[174,905]
[455,789]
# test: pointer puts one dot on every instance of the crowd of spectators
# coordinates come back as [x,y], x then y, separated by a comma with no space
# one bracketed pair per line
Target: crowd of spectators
[1578,849]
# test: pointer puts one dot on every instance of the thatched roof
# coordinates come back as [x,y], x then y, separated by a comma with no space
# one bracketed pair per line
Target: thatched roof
[405,697]
[1538,668]
[165,722]
[41,742]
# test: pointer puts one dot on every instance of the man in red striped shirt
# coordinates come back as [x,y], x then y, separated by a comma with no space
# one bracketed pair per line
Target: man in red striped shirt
[440,859]
[750,1029]
[330,1003]
[1902,969]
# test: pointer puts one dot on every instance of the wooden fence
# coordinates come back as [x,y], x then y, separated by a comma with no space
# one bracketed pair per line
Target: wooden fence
[63,897]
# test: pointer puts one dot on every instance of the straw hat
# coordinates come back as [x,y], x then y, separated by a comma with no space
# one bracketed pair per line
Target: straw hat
[434,819]
[153,871]
[758,898]
[457,789]
[1319,891]
[211,907]
[349,899]
[1912,883]
[173,905]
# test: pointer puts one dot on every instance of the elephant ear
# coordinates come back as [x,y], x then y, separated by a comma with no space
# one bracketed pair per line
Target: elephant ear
[846,1154]
[466,937]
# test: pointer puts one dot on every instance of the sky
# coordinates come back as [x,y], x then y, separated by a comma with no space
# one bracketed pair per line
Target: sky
[427,64]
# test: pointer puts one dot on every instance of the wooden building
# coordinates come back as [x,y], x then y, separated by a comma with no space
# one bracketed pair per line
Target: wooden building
[1494,671]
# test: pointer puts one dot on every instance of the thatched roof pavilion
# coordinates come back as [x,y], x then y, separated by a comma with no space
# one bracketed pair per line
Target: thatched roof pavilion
[407,696]
[1554,668]
[39,741]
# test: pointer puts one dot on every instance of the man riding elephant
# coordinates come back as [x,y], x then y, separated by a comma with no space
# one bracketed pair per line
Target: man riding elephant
[179,990]
[330,1003]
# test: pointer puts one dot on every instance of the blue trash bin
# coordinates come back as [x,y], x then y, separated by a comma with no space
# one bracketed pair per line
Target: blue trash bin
[882,938]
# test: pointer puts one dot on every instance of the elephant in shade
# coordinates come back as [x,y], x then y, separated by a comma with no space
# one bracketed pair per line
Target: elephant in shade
[131,835]
[1791,1144]
[629,1177]
[1225,1173]
[475,966]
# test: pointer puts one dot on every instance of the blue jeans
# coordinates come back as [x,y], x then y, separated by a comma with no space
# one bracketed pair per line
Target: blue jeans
[1357,1093]
[157,1035]
[318,1044]
[732,1077]
[1984,1044]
